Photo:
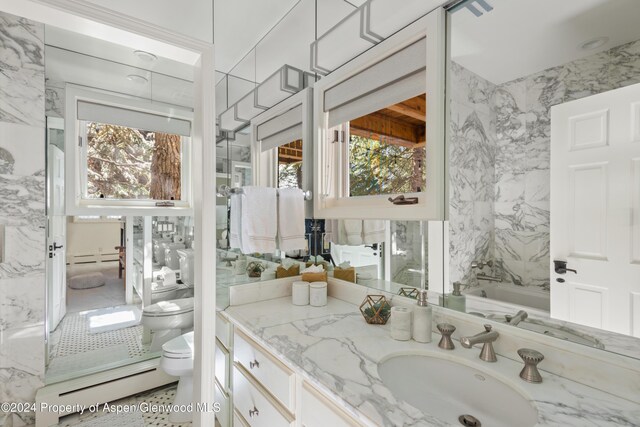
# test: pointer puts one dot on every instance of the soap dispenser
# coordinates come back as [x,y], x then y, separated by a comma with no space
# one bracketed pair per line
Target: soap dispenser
[422,316]
[455,301]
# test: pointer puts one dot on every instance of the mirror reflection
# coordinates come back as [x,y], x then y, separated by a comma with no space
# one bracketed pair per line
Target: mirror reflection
[536,176]
[103,291]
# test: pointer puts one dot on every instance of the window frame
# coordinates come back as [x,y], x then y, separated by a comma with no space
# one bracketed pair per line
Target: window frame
[265,164]
[329,180]
[76,161]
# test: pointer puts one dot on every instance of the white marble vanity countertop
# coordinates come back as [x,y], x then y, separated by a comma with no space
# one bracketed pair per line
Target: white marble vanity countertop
[336,350]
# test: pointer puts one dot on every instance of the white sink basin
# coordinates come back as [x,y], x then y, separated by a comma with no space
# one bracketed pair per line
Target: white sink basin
[448,390]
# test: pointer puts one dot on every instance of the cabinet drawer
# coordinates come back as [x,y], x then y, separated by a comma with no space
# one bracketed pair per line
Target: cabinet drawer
[270,372]
[222,365]
[224,415]
[223,330]
[238,421]
[318,411]
[255,405]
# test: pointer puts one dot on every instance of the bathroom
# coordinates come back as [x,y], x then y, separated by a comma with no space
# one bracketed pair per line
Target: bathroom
[447,191]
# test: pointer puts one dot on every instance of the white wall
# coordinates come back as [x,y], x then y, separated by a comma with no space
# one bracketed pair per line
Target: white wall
[193,18]
[92,237]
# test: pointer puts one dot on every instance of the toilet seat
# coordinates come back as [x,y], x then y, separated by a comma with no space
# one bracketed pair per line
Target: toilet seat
[169,308]
[179,348]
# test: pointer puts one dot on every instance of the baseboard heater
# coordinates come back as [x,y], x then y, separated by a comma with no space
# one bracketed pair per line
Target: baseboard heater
[101,387]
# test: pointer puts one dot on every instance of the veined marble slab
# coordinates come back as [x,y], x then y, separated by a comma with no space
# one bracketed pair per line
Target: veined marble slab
[335,349]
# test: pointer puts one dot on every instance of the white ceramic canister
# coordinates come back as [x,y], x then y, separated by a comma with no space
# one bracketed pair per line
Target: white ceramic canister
[400,323]
[318,294]
[300,293]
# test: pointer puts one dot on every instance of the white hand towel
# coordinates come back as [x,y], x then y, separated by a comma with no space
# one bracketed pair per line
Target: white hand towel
[259,219]
[291,219]
[235,228]
[353,228]
[373,231]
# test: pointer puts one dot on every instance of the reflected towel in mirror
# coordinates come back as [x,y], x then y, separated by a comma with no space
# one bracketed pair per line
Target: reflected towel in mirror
[291,230]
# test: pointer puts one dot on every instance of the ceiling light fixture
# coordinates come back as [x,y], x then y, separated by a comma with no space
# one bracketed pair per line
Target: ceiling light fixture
[594,43]
[145,56]
[138,79]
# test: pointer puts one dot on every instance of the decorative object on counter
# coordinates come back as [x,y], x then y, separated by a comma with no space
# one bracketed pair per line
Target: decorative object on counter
[446,329]
[345,272]
[400,323]
[255,269]
[531,359]
[487,338]
[422,318]
[268,274]
[408,292]
[314,273]
[375,309]
[317,260]
[455,301]
[318,294]
[300,293]
[293,270]
[240,266]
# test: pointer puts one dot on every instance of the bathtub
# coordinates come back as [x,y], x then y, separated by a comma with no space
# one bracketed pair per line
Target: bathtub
[525,297]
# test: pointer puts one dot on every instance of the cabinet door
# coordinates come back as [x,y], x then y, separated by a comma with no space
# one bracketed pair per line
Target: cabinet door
[317,411]
[222,365]
[271,373]
[224,415]
[255,405]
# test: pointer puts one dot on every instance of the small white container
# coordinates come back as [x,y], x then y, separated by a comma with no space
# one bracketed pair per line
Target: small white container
[268,275]
[300,293]
[318,294]
[400,323]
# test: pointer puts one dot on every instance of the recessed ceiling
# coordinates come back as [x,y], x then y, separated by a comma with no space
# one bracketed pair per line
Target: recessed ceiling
[522,37]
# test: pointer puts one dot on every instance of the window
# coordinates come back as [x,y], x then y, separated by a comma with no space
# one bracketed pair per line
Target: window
[380,129]
[290,165]
[125,153]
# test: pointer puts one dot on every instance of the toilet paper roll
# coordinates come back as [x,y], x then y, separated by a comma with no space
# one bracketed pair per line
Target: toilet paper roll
[400,323]
[300,293]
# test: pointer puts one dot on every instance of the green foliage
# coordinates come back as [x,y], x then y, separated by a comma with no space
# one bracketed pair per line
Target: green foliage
[119,161]
[377,167]
[290,175]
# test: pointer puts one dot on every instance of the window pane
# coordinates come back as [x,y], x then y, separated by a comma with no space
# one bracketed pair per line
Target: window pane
[128,163]
[387,150]
[290,165]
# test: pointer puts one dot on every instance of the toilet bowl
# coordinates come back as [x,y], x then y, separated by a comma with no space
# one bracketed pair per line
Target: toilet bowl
[162,292]
[171,258]
[177,360]
[167,320]
[186,266]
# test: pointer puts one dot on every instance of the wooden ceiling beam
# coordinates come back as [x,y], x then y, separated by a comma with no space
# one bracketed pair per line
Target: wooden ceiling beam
[406,110]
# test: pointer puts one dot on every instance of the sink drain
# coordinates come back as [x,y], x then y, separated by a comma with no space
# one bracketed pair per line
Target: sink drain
[469,420]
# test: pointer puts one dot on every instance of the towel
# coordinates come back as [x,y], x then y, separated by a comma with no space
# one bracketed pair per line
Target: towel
[353,229]
[259,220]
[373,231]
[291,219]
[235,228]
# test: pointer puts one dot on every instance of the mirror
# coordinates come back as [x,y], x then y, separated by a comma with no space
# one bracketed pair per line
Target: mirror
[106,267]
[533,219]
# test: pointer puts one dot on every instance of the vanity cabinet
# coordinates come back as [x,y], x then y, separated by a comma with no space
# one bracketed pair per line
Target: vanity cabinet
[263,391]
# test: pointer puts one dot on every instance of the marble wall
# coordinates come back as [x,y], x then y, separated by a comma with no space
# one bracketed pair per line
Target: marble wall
[500,155]
[523,136]
[472,148]
[22,213]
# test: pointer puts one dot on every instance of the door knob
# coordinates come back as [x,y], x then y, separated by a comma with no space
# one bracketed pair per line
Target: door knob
[56,246]
[560,267]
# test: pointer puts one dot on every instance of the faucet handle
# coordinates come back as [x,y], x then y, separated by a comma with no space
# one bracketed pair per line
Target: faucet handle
[531,359]
[446,329]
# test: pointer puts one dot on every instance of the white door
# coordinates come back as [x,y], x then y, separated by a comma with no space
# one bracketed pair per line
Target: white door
[595,210]
[56,237]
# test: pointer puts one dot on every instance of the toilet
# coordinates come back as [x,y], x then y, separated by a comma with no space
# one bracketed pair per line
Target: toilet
[167,320]
[177,360]
[171,258]
[165,286]
[186,266]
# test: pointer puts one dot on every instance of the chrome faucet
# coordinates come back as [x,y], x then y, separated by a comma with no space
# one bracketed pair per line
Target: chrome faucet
[515,320]
[480,275]
[487,338]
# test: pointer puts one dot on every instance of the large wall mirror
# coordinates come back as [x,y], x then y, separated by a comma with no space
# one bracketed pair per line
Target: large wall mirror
[543,200]
[105,268]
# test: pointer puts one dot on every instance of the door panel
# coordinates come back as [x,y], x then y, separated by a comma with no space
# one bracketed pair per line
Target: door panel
[56,239]
[595,210]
